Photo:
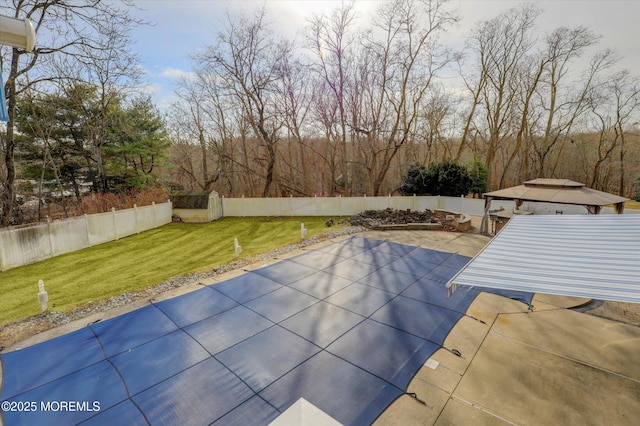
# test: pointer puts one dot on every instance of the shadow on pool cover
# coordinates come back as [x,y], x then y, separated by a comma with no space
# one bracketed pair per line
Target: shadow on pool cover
[346,327]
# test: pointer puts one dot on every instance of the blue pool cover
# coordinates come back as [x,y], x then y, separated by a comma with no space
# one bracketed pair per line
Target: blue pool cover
[345,326]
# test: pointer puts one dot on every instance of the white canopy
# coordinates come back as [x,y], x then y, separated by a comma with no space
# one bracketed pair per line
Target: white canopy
[589,256]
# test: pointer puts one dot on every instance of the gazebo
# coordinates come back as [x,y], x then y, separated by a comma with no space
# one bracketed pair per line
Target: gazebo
[560,191]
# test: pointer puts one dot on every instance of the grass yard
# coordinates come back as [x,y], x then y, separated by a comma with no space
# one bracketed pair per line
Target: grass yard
[141,261]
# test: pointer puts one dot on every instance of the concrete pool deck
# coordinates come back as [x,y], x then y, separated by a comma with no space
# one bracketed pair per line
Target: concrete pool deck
[547,366]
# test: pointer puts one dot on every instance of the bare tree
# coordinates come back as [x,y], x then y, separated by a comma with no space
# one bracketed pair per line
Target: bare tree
[246,56]
[526,87]
[369,102]
[501,46]
[332,45]
[613,102]
[475,84]
[561,111]
[402,66]
[293,103]
[625,89]
[190,118]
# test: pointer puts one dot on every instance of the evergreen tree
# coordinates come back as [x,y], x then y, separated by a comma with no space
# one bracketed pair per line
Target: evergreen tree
[478,174]
[446,178]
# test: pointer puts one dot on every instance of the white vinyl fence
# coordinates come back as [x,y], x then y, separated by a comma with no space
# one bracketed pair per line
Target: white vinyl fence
[344,206]
[23,245]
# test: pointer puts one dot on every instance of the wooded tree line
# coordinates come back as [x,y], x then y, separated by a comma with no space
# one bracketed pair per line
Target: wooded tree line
[348,107]
[77,115]
[65,149]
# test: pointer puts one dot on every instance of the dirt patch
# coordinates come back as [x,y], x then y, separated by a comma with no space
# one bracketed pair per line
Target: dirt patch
[375,219]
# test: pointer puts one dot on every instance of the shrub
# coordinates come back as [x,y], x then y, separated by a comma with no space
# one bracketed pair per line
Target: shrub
[446,178]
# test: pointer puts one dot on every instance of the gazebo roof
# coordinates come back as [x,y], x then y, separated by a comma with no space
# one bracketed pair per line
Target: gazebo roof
[561,191]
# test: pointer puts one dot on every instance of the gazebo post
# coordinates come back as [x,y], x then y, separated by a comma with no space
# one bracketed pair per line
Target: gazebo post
[484,226]
[594,209]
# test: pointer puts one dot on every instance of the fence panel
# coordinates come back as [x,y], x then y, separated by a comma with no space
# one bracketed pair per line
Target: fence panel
[125,222]
[423,203]
[303,206]
[146,218]
[343,206]
[21,246]
[377,203]
[68,235]
[351,205]
[101,228]
[162,213]
[403,203]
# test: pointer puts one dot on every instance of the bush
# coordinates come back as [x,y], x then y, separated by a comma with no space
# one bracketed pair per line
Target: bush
[416,181]
[446,178]
[636,195]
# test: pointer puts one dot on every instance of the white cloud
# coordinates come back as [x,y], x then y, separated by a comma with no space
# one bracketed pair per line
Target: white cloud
[176,74]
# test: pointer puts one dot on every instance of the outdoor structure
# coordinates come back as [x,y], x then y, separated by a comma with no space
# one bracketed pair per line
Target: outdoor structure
[560,191]
[596,257]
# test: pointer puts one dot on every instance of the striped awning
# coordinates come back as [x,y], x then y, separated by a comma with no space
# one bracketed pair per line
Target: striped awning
[592,256]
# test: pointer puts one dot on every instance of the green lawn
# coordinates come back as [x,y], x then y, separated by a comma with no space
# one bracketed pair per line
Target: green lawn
[142,261]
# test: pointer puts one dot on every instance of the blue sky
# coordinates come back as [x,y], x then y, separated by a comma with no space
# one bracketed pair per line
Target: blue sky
[183,27]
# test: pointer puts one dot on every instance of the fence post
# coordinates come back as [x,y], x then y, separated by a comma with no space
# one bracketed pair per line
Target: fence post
[51,254]
[2,251]
[86,227]
[115,223]
[136,226]
[155,214]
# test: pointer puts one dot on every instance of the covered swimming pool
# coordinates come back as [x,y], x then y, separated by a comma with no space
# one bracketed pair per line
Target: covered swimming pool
[345,326]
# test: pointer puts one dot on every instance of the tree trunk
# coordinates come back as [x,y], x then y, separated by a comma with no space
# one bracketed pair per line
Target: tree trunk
[8,194]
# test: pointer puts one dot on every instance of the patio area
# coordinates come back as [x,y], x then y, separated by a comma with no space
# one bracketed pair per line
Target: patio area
[374,340]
